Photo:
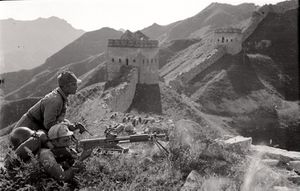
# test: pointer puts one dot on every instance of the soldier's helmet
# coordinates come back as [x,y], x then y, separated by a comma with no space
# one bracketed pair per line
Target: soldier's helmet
[59,130]
[20,135]
[25,141]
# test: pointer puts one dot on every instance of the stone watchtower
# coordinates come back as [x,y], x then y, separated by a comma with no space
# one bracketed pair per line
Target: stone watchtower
[230,37]
[133,49]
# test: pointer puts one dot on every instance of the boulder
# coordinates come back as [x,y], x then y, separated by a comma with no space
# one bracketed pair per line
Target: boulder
[129,129]
[295,165]
[284,188]
[295,179]
[261,177]
[238,144]
[275,153]
[193,182]
[218,184]
[270,162]
[230,149]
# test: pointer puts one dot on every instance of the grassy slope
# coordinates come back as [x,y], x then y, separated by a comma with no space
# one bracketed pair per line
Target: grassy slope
[240,89]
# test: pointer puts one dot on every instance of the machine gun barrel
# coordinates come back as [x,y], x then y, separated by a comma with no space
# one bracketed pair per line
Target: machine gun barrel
[112,142]
[139,138]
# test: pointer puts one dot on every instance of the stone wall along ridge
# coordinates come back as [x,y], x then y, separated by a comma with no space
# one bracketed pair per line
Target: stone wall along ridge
[120,98]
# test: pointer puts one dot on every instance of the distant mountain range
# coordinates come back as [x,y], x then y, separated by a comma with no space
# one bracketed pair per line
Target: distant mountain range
[27,44]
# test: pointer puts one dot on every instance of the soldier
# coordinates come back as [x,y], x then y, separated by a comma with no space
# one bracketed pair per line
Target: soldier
[23,142]
[61,162]
[51,109]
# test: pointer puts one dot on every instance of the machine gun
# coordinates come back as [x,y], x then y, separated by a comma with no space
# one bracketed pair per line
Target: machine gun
[110,142]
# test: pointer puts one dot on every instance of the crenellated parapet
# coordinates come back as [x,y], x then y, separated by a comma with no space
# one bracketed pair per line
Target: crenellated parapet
[228,30]
[132,43]
[133,49]
[228,37]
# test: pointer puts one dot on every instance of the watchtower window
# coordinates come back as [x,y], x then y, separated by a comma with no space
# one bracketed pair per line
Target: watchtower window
[120,61]
[222,39]
[127,61]
[113,60]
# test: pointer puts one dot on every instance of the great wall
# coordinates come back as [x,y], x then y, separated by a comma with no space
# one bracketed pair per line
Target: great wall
[216,45]
[120,98]
[135,49]
[138,56]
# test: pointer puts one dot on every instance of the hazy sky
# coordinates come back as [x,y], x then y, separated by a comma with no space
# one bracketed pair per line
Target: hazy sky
[127,14]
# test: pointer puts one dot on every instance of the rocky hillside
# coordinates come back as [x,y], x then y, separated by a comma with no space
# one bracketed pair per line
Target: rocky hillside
[276,41]
[253,91]
[38,40]
[168,50]
[202,156]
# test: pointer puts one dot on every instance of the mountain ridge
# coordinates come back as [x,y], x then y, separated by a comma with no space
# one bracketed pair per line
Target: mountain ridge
[39,39]
[184,28]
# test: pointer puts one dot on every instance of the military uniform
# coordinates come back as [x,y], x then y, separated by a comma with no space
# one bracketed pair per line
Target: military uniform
[57,162]
[23,140]
[49,111]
